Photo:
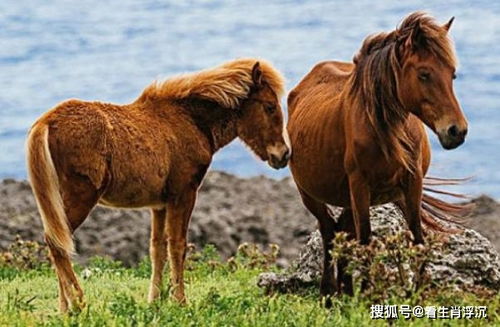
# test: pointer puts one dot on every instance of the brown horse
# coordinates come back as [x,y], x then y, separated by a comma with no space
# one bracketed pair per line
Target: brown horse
[152,153]
[358,138]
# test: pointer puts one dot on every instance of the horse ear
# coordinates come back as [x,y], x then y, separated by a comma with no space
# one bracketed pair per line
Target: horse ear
[448,25]
[257,75]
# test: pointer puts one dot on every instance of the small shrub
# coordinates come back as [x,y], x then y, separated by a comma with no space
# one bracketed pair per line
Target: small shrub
[24,255]
[208,257]
[250,255]
[389,266]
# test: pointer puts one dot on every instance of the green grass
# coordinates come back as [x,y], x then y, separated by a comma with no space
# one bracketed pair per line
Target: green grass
[219,294]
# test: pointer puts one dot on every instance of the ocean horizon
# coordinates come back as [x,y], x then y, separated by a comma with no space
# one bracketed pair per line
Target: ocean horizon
[110,51]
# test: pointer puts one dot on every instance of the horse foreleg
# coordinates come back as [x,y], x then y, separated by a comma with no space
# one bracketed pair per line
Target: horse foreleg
[360,205]
[344,280]
[327,230]
[158,252]
[412,205]
[178,216]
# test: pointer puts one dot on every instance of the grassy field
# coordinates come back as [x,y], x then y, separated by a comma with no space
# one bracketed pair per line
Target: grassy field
[219,294]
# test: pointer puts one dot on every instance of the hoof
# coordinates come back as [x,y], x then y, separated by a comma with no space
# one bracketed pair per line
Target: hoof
[327,294]
[327,301]
[179,298]
[76,307]
[348,288]
[153,296]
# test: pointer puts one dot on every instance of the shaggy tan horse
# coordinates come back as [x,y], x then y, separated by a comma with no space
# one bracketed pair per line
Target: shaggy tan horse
[152,153]
[358,135]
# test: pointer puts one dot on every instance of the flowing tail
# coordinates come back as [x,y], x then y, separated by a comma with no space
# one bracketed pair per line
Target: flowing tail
[45,183]
[436,211]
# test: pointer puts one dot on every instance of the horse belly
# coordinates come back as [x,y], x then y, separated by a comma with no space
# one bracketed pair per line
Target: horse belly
[325,185]
[133,197]
[317,162]
[132,186]
[326,180]
[335,191]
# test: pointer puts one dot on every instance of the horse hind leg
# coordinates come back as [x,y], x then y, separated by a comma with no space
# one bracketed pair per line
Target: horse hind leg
[327,230]
[79,197]
[70,294]
[64,201]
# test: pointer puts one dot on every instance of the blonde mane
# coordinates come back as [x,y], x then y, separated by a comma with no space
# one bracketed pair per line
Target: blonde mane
[227,84]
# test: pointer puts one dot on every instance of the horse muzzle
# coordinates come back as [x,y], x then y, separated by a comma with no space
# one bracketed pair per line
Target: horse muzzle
[452,137]
[278,156]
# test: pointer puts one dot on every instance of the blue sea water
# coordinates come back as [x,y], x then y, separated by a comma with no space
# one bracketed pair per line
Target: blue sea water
[110,50]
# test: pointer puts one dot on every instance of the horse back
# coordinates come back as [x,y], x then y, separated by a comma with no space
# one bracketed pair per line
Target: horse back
[330,75]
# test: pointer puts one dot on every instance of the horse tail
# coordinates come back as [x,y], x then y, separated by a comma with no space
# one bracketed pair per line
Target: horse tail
[436,211]
[45,184]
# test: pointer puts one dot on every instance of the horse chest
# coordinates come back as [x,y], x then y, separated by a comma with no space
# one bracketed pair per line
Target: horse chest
[387,187]
[385,195]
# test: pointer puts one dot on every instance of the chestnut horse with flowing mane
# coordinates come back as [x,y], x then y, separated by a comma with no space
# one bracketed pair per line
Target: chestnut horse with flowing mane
[358,135]
[151,153]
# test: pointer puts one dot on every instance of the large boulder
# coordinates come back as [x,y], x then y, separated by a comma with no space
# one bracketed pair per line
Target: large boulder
[465,259]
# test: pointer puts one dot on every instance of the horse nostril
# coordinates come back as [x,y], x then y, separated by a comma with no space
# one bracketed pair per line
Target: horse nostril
[286,155]
[453,131]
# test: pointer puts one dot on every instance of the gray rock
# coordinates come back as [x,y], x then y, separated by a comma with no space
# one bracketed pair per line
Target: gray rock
[466,259]
[229,211]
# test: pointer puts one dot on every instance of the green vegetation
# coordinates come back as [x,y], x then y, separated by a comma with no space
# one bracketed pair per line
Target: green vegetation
[219,294]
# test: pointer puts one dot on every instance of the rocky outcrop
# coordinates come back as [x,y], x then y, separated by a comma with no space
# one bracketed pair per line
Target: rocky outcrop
[229,211]
[465,259]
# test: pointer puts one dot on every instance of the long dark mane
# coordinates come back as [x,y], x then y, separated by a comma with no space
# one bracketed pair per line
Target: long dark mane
[374,81]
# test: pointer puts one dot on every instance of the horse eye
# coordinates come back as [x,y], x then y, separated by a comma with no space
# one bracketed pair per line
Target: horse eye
[454,76]
[270,109]
[424,76]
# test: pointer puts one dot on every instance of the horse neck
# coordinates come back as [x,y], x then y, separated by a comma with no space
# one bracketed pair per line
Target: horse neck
[217,124]
[224,133]
[383,111]
[391,134]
